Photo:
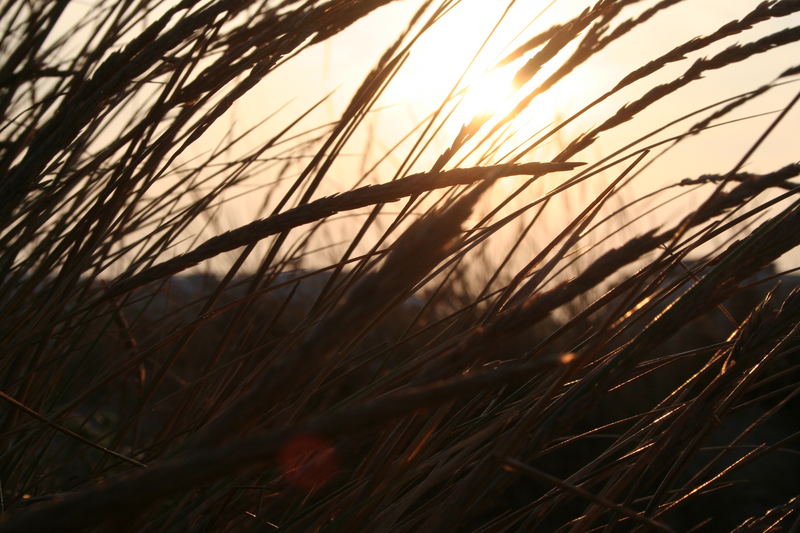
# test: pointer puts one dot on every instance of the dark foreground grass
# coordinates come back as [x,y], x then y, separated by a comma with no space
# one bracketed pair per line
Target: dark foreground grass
[612,376]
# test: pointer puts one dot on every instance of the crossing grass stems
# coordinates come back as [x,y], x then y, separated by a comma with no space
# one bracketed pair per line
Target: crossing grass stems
[578,388]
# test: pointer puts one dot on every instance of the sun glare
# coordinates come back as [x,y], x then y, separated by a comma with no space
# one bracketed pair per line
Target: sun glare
[489,95]
[463,50]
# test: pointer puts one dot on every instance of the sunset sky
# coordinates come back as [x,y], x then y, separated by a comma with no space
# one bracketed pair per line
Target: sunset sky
[444,52]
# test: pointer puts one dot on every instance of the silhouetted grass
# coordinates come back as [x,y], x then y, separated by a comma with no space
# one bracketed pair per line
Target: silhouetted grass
[161,370]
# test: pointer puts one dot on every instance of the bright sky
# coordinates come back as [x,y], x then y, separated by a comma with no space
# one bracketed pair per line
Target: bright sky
[444,53]
[441,56]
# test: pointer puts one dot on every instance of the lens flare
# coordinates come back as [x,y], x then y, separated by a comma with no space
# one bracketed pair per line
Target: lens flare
[307,461]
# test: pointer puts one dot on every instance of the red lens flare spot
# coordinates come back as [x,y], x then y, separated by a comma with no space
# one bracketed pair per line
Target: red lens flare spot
[307,461]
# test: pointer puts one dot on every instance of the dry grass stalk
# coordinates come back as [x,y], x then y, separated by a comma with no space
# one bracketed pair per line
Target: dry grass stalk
[378,375]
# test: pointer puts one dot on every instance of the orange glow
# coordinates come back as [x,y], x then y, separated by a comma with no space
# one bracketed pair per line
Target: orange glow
[567,358]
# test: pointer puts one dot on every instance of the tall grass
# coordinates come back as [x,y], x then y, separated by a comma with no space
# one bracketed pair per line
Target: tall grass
[443,364]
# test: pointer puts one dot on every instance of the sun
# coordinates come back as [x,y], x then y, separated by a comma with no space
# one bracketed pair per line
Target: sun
[490,94]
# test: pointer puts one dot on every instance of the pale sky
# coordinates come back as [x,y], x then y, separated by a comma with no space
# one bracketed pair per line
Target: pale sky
[440,57]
